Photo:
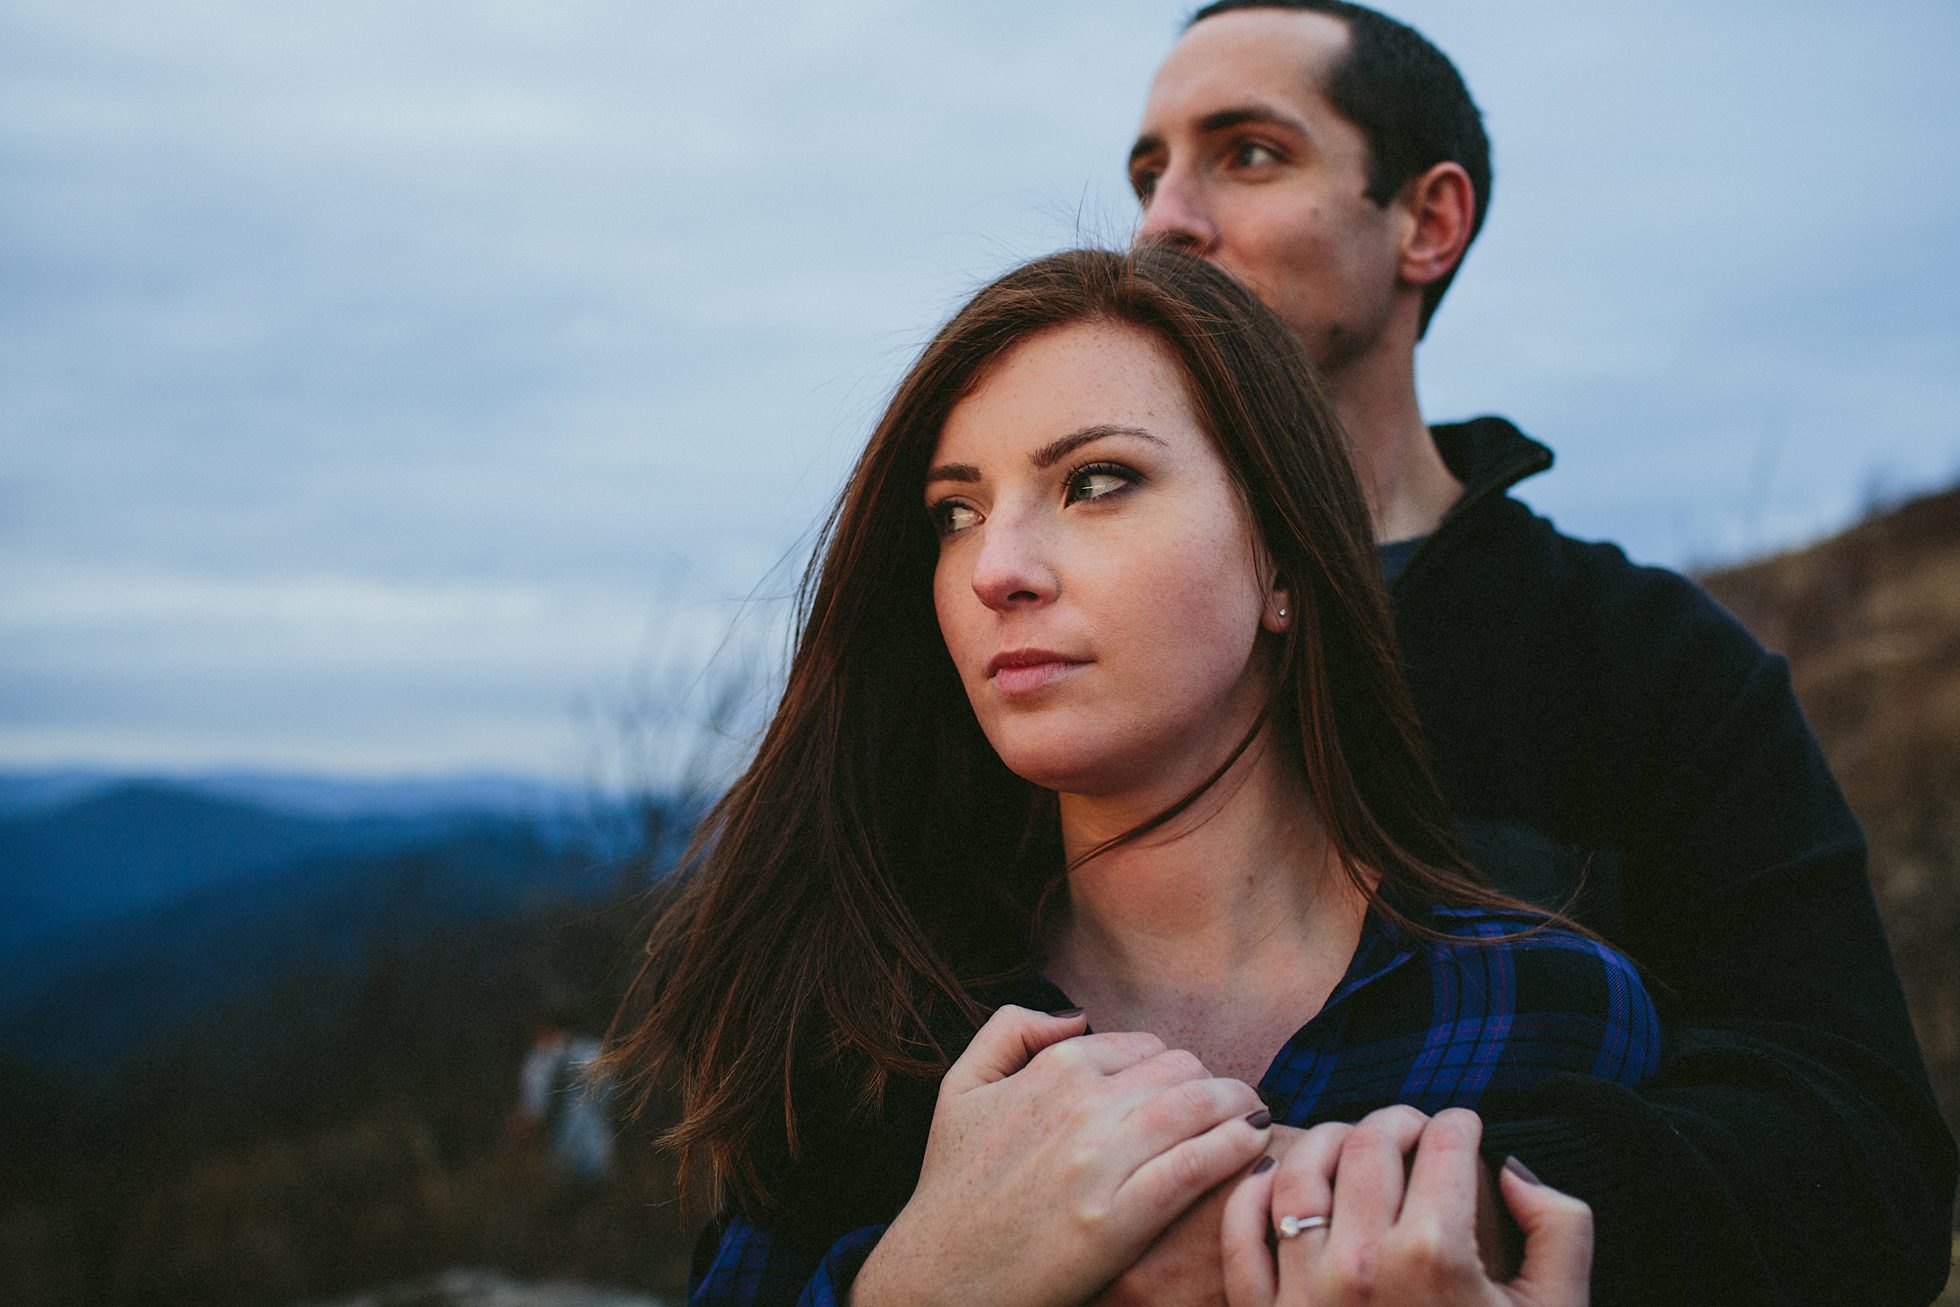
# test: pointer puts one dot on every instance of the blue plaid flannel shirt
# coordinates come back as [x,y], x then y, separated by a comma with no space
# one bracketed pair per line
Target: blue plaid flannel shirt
[1434,1025]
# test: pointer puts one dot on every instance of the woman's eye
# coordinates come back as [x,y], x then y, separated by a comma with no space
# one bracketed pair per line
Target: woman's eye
[950,516]
[1251,154]
[1098,481]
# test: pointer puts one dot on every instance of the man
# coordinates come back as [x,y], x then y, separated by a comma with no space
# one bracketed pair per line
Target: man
[1603,731]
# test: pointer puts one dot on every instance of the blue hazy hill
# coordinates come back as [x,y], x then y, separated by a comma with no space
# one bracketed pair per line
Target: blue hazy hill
[144,844]
[131,908]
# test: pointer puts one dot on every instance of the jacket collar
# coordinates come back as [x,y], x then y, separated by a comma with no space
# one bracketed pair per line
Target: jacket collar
[1489,456]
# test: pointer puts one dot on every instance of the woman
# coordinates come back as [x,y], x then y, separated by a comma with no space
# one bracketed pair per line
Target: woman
[1094,719]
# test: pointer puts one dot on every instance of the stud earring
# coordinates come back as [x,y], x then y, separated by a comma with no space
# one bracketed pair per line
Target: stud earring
[1282,612]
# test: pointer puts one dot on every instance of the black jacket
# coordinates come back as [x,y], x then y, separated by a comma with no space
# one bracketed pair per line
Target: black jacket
[1607,731]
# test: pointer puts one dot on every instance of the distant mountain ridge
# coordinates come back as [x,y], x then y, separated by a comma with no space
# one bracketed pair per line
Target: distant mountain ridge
[26,791]
[131,906]
[146,844]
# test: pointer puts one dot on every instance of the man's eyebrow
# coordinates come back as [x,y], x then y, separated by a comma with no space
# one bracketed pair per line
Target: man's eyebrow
[1239,115]
[1056,450]
[1222,120]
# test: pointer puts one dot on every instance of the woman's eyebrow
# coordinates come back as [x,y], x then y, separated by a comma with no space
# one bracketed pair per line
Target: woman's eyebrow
[1049,454]
[1057,450]
[952,472]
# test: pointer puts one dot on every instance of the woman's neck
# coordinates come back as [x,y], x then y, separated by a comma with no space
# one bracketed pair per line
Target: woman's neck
[1235,903]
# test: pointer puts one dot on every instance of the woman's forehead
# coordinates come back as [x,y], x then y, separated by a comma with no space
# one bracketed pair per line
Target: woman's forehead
[1065,379]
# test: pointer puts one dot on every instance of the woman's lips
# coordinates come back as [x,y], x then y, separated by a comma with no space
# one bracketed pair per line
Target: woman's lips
[1025,672]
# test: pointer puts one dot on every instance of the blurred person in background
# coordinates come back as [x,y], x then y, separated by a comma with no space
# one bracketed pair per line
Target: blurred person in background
[563,1101]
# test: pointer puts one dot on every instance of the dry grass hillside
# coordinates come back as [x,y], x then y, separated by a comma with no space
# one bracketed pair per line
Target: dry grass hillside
[1870,620]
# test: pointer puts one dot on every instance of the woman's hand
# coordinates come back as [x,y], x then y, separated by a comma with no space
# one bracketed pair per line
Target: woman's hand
[1055,1158]
[1183,1267]
[1396,1242]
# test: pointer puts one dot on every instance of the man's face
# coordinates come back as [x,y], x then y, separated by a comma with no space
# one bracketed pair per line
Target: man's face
[1242,159]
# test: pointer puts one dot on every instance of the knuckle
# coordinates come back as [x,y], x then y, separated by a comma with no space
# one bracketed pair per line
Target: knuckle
[1386,1128]
[1181,1063]
[1240,1095]
[1000,1016]
[1067,1055]
[1455,1128]
[1192,1099]
[1364,1136]
[1188,1170]
[1171,1109]
[1355,1269]
[1090,1216]
[1081,1161]
[1396,1119]
[1436,1262]
[1328,1135]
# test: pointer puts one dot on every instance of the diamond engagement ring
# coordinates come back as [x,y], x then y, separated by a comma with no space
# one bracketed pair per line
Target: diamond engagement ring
[1292,1225]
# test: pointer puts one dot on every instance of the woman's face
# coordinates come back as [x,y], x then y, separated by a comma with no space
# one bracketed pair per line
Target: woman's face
[1098,585]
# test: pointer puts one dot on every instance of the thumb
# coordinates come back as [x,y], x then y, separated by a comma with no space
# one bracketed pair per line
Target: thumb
[1558,1239]
[1006,1043]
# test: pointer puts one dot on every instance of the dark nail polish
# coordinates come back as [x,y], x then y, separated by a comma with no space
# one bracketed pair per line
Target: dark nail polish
[1066,1013]
[1260,1120]
[1264,1164]
[1520,1170]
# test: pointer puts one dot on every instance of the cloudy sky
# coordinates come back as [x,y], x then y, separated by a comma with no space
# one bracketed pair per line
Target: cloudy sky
[418,386]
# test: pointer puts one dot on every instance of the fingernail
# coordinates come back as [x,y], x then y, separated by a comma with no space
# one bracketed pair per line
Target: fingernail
[1066,1013]
[1264,1164]
[1520,1170]
[1260,1120]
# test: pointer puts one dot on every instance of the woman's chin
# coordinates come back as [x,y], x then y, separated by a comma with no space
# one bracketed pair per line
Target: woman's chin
[1070,770]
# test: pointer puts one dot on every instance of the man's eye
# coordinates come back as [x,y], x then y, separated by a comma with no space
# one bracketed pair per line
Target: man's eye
[950,516]
[1098,481]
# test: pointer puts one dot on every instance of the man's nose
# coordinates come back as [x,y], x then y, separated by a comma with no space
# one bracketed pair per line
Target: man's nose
[1177,213]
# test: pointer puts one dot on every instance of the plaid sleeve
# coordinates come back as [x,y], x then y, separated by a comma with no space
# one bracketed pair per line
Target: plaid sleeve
[1496,1007]
[1506,1016]
[749,1266]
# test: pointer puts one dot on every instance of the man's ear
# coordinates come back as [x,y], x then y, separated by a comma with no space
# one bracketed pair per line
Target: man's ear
[1443,206]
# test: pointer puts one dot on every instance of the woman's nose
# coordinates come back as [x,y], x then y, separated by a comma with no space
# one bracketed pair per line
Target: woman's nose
[1013,568]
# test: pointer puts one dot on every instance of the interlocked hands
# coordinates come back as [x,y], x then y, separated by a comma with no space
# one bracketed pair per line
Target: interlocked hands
[1055,1158]
[1399,1230]
[1064,1167]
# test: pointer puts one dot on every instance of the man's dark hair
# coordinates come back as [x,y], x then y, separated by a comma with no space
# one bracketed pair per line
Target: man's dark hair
[1409,102]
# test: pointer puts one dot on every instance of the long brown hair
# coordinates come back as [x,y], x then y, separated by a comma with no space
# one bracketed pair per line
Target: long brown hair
[877,860]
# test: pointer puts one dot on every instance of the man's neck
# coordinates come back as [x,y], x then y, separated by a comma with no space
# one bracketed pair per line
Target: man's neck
[1409,487]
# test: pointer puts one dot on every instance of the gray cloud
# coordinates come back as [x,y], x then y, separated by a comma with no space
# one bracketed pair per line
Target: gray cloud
[377,380]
